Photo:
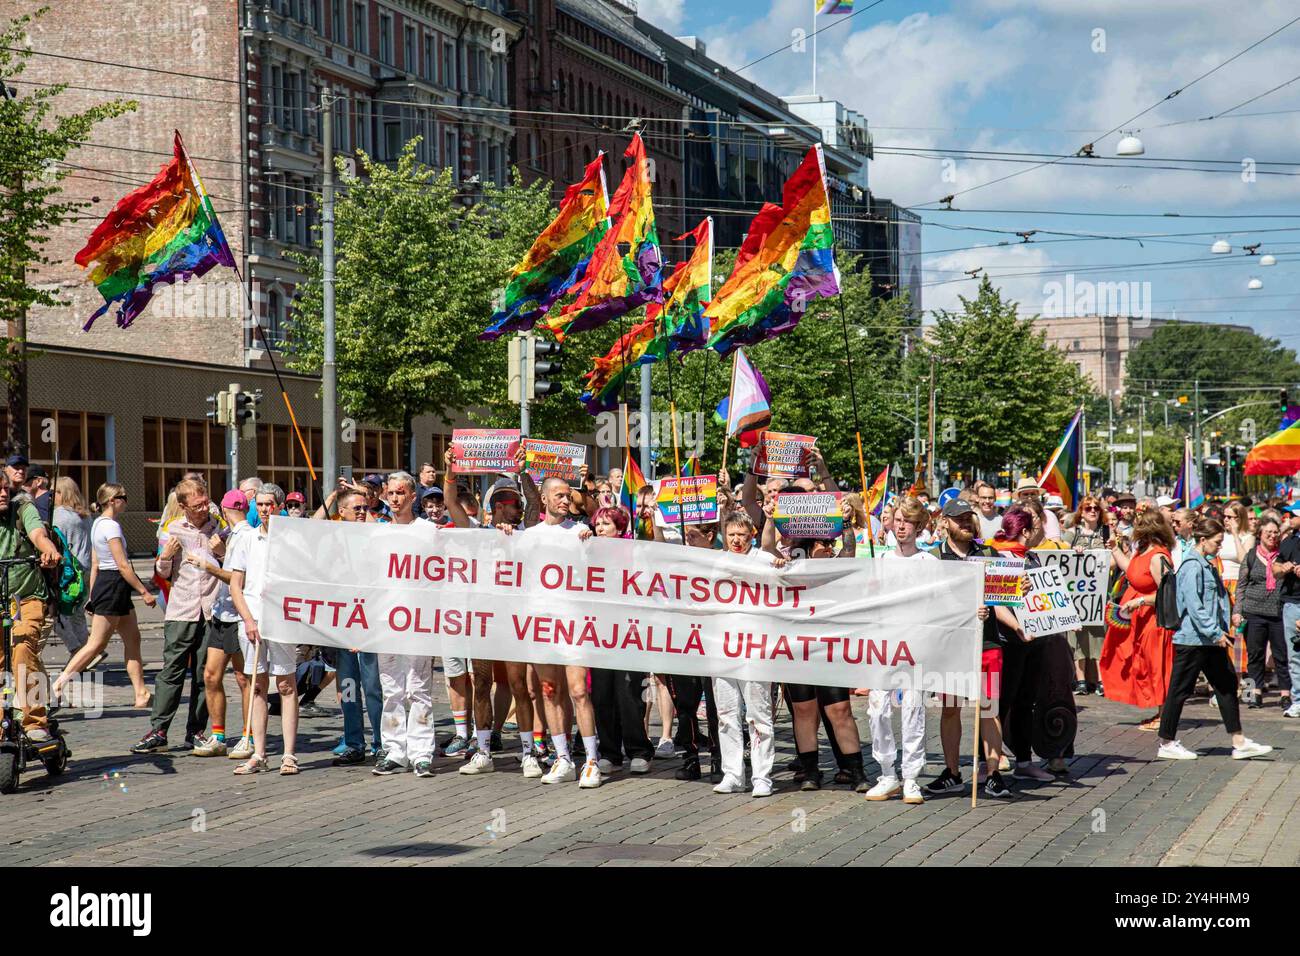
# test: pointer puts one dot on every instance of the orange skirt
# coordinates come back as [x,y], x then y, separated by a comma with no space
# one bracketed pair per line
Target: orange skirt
[1135,661]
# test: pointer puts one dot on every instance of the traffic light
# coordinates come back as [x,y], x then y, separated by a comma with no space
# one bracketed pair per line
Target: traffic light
[254,413]
[1284,401]
[546,363]
[244,411]
[514,374]
[219,408]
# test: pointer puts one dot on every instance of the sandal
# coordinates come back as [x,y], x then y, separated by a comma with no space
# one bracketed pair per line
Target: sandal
[253,765]
[289,766]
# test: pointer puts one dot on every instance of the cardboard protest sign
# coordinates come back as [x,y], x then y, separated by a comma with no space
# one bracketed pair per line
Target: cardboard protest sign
[484,451]
[1086,575]
[1048,608]
[553,459]
[1004,580]
[815,515]
[692,500]
[781,455]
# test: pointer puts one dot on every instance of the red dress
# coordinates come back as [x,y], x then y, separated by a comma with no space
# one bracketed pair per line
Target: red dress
[1135,661]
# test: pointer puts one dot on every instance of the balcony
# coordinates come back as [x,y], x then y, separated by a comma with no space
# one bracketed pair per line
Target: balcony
[300,36]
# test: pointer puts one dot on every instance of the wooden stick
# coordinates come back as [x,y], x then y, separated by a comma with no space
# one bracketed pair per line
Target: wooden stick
[252,696]
[975,770]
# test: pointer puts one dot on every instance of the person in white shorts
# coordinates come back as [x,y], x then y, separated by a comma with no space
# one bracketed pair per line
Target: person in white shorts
[247,564]
[910,519]
[406,679]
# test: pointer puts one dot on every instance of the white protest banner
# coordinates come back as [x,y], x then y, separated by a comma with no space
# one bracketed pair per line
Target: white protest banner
[1047,608]
[1086,575]
[544,596]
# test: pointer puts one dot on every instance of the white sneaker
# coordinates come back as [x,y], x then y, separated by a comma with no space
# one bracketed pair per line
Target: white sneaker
[242,750]
[665,749]
[885,788]
[730,784]
[1250,749]
[762,788]
[607,767]
[478,763]
[640,765]
[912,792]
[1174,750]
[562,772]
[1293,710]
[531,768]
[590,778]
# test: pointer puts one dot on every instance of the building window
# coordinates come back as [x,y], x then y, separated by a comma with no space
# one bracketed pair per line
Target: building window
[386,38]
[430,71]
[408,50]
[85,445]
[338,23]
[280,459]
[342,134]
[449,70]
[360,27]
[392,140]
[376,451]
[173,446]
[452,155]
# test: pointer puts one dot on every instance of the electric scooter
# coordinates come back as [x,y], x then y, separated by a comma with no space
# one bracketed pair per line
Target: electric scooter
[17,750]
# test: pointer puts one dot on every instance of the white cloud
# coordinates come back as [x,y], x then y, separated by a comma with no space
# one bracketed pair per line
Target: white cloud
[665,14]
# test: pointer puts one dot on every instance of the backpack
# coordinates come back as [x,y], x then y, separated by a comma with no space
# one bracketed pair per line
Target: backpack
[67,580]
[1167,615]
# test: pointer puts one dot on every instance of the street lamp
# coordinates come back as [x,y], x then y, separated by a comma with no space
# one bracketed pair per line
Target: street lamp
[1130,145]
[1254,284]
[1268,259]
[1221,247]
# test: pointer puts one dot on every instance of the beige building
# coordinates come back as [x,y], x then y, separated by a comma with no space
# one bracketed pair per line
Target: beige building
[1099,344]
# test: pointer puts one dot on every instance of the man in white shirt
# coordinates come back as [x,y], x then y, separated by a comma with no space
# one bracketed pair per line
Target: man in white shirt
[406,679]
[986,501]
[247,564]
[910,518]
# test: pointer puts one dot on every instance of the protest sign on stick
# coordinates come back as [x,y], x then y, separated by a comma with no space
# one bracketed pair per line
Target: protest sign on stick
[553,459]
[1004,580]
[1047,608]
[1086,575]
[484,451]
[691,500]
[781,455]
[815,515]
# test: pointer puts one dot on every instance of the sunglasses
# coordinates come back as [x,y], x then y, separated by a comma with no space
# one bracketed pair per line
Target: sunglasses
[1092,508]
[118,498]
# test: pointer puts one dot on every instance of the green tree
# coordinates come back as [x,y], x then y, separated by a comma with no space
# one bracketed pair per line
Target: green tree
[1004,396]
[417,270]
[36,142]
[1180,353]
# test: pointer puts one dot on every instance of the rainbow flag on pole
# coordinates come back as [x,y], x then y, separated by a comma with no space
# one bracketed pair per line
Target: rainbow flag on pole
[834,6]
[874,501]
[747,410]
[163,232]
[640,345]
[625,270]
[686,294]
[633,482]
[1278,454]
[786,261]
[1188,488]
[558,256]
[1061,476]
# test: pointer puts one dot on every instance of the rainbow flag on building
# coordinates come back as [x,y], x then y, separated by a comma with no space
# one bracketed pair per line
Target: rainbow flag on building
[686,294]
[163,232]
[1188,488]
[1061,476]
[625,270]
[1278,454]
[786,261]
[558,256]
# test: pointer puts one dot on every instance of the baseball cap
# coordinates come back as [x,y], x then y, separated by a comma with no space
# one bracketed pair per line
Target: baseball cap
[36,471]
[374,481]
[16,461]
[956,508]
[433,491]
[295,496]
[502,486]
[1165,501]
[235,500]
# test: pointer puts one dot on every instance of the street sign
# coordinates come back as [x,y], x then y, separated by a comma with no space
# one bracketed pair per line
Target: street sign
[896,471]
[1122,448]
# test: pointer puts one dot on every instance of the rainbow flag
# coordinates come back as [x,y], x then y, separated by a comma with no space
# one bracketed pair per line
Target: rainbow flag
[874,500]
[1188,488]
[692,467]
[640,345]
[747,409]
[834,6]
[786,260]
[163,232]
[1061,476]
[625,270]
[686,294]
[1278,454]
[633,482]
[558,256]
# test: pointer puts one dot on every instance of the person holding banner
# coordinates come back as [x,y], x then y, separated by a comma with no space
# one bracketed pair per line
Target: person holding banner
[406,679]
[247,564]
[910,519]
[1087,532]
[738,535]
[961,523]
[1137,654]
[1201,647]
[557,503]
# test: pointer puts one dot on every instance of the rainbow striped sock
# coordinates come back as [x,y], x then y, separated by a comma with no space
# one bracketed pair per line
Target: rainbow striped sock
[219,732]
[461,719]
[539,740]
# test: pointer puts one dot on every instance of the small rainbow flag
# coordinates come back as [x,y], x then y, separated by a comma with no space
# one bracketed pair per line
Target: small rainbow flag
[166,231]
[747,409]
[1061,476]
[1278,454]
[692,467]
[625,270]
[557,257]
[874,501]
[786,260]
[834,6]
[1188,488]
[633,482]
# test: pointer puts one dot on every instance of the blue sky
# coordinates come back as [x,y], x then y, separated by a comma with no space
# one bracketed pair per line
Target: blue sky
[1047,76]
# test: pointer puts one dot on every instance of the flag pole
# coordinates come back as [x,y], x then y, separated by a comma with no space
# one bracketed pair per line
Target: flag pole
[731,394]
[672,416]
[857,426]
